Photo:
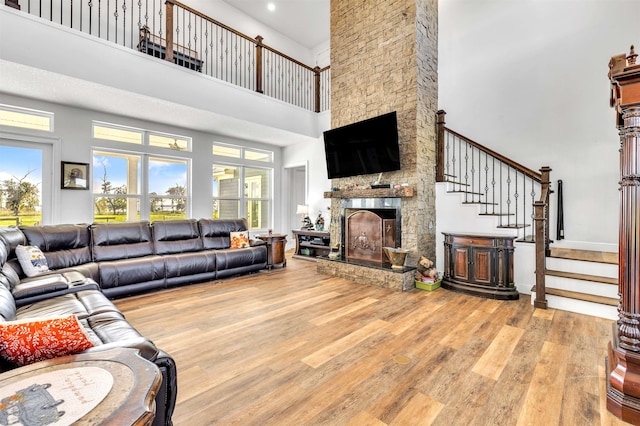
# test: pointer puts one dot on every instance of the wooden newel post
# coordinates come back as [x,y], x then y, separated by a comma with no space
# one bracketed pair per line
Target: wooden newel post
[623,361]
[545,183]
[316,88]
[440,146]
[259,64]
[539,208]
[168,56]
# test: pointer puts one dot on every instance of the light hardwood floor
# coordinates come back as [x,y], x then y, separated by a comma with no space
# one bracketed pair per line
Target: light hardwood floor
[292,347]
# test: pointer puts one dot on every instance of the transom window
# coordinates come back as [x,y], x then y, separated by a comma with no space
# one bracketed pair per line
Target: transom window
[117,133]
[25,118]
[235,151]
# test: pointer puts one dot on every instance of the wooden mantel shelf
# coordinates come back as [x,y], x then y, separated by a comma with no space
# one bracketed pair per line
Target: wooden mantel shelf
[371,193]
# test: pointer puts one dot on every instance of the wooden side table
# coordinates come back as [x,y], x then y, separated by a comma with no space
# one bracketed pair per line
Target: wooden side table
[275,249]
[109,387]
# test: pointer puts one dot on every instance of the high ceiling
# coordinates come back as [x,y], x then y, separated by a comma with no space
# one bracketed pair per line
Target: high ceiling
[306,21]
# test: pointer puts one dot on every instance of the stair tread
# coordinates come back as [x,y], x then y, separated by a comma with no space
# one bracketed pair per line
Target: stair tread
[496,214]
[480,202]
[454,182]
[584,277]
[583,296]
[586,255]
[465,192]
[513,226]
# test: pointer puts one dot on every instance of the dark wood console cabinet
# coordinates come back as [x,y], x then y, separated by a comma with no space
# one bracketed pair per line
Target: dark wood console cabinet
[481,265]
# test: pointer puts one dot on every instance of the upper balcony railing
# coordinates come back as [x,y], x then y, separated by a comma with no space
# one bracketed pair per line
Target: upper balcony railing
[174,32]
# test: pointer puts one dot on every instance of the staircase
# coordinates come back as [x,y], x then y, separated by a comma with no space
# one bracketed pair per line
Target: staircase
[507,198]
[582,281]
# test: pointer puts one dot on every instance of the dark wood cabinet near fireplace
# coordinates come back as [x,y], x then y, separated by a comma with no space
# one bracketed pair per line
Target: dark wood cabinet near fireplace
[481,265]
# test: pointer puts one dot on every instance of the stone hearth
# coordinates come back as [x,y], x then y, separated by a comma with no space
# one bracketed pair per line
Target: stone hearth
[379,276]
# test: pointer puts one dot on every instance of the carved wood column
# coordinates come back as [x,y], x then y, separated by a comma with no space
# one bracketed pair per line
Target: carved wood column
[623,363]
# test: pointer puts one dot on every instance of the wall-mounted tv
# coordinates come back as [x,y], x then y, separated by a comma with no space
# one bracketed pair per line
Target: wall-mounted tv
[365,147]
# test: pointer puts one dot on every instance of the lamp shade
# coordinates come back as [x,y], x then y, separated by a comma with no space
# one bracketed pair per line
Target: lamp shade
[302,209]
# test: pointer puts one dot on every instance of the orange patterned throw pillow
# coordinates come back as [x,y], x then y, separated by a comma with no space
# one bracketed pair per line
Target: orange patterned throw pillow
[29,341]
[239,239]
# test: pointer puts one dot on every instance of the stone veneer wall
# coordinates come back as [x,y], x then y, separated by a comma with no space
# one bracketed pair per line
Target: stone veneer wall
[383,59]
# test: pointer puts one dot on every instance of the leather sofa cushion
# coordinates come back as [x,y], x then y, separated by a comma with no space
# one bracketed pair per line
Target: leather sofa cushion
[215,232]
[113,330]
[176,236]
[121,240]
[185,264]
[64,246]
[131,271]
[66,304]
[231,259]
[95,302]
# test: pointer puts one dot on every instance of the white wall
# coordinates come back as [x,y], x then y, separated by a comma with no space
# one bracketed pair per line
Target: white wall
[529,79]
[312,153]
[234,18]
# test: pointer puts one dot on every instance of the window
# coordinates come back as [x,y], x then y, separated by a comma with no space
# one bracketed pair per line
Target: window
[26,118]
[119,177]
[243,190]
[168,188]
[26,185]
[171,142]
[111,132]
[227,150]
[257,191]
[234,151]
[116,186]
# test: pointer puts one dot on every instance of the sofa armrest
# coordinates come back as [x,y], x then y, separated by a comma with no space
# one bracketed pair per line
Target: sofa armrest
[41,288]
[39,285]
[256,242]
[167,394]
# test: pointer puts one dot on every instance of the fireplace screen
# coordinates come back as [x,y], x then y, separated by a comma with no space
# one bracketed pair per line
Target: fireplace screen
[366,232]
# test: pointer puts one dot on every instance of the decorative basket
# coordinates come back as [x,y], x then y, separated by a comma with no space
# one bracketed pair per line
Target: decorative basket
[428,286]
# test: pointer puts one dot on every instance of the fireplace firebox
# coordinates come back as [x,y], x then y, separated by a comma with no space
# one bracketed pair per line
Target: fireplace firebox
[368,224]
[367,231]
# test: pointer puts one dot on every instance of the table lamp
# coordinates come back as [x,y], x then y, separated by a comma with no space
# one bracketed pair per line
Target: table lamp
[303,210]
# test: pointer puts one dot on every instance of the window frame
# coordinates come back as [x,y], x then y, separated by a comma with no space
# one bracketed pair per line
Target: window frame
[50,147]
[242,164]
[28,111]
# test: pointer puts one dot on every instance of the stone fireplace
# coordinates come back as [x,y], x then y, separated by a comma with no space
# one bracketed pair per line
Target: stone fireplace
[384,58]
[364,221]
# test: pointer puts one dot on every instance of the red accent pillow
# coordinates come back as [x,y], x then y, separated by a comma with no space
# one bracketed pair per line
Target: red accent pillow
[28,341]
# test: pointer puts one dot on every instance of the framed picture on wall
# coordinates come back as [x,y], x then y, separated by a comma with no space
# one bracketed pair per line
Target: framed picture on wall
[74,175]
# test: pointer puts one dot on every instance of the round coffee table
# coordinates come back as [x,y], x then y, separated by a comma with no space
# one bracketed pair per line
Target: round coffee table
[114,386]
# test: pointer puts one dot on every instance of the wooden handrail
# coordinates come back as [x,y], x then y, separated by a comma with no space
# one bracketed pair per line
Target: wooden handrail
[525,170]
[239,34]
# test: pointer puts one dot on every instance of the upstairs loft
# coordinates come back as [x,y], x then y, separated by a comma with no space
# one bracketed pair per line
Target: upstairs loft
[242,81]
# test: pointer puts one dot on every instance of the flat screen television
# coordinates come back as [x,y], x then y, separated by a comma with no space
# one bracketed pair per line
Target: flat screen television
[362,148]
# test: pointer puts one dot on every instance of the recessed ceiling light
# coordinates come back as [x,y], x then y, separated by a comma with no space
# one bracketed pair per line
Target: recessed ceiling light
[271,7]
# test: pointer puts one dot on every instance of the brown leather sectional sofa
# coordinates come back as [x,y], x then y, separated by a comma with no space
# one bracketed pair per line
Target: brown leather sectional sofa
[91,263]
